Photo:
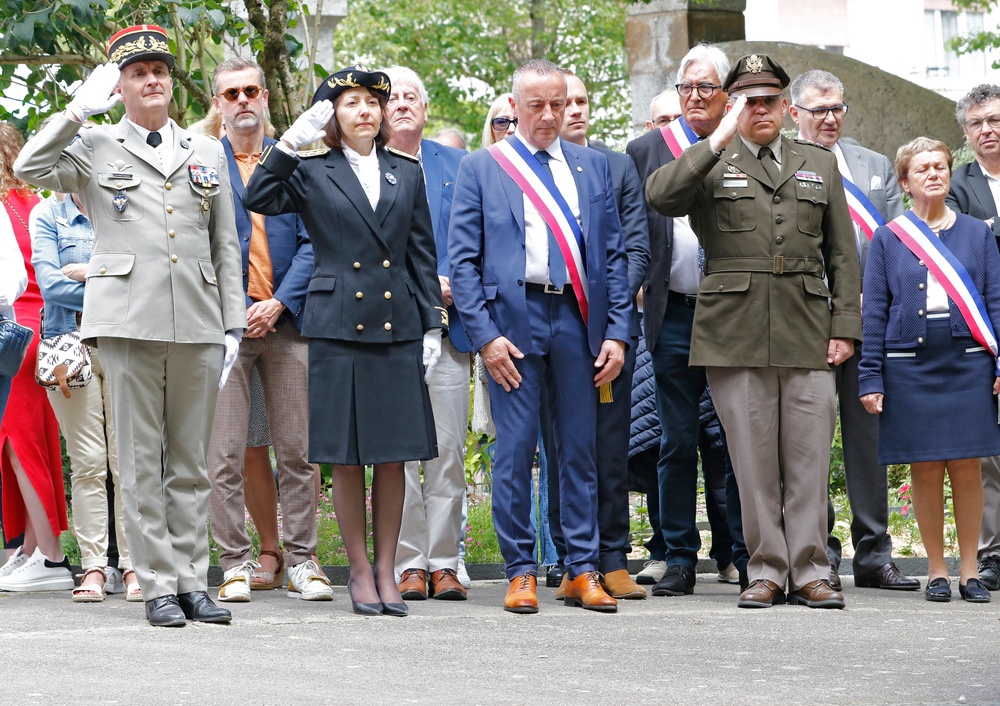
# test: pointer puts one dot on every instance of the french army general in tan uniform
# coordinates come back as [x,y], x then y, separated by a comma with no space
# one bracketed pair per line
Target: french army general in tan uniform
[778,307]
[164,301]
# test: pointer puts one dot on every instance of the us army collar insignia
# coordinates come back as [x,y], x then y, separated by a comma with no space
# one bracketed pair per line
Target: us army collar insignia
[391,178]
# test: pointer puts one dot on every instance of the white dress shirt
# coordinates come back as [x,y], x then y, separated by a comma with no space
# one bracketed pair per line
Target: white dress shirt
[165,152]
[367,170]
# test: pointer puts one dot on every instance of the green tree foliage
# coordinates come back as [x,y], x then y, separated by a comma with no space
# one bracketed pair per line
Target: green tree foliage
[466,51]
[988,40]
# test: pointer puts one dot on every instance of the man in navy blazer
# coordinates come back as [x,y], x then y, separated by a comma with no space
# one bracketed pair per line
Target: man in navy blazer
[974,190]
[277,266]
[514,291]
[428,551]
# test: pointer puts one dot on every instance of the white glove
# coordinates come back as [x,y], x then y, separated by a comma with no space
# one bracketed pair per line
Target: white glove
[432,352]
[233,338]
[96,95]
[310,126]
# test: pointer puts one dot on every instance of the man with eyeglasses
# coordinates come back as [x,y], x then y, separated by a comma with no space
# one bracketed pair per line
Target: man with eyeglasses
[818,108]
[277,266]
[164,303]
[664,108]
[778,309]
[670,294]
[975,190]
[427,556]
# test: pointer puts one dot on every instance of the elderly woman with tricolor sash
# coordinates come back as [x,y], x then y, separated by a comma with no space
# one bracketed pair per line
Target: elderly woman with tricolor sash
[929,356]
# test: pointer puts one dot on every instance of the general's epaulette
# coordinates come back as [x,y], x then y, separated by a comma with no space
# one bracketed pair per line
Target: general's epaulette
[400,153]
[318,152]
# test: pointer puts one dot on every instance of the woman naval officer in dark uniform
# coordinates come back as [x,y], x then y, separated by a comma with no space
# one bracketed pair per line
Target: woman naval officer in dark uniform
[373,313]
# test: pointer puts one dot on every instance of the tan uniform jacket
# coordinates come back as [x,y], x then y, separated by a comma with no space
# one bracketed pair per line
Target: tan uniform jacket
[781,264]
[166,266]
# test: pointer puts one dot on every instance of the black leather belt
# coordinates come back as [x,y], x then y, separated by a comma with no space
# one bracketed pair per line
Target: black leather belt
[688,300]
[549,289]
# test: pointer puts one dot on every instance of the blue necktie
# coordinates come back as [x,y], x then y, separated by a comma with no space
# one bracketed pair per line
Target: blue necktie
[557,264]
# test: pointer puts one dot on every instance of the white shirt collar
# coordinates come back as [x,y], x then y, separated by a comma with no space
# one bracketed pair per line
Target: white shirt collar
[358,158]
[554,150]
[166,133]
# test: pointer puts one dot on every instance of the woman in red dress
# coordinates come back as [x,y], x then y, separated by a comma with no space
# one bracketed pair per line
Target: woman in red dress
[31,479]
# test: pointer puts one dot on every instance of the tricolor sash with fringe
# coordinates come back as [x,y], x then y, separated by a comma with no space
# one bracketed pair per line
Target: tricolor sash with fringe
[863,211]
[678,135]
[536,181]
[942,263]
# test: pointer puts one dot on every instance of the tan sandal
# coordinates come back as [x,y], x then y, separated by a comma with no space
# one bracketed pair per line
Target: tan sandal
[133,592]
[90,593]
[261,580]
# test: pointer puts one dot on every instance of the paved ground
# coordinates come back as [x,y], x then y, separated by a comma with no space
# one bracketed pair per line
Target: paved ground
[886,648]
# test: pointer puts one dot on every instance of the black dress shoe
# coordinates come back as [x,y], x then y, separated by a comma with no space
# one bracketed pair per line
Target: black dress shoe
[887,576]
[553,577]
[165,612]
[744,580]
[198,606]
[396,610]
[974,591]
[834,579]
[989,572]
[938,590]
[678,581]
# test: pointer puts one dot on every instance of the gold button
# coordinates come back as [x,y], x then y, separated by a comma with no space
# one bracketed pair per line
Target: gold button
[170,209]
[168,186]
[358,295]
[119,184]
[360,327]
[172,233]
[385,263]
[104,270]
[357,265]
[173,258]
[388,295]
[388,326]
[215,280]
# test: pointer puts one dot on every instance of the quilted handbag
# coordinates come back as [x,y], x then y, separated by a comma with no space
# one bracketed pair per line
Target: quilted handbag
[14,341]
[63,362]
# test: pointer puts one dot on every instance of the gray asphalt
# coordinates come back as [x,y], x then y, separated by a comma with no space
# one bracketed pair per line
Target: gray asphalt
[885,648]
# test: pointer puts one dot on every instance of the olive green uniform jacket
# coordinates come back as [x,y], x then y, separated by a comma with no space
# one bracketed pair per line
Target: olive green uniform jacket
[781,262]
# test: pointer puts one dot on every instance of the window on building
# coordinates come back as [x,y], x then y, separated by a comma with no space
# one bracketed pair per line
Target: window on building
[943,25]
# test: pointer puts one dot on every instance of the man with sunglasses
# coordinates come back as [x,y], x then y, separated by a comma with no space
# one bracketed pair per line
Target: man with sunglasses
[669,296]
[778,309]
[277,266]
[975,190]
[819,110]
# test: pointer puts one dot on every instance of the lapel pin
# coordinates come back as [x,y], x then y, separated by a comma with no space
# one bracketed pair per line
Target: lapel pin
[184,144]
[391,178]
[579,169]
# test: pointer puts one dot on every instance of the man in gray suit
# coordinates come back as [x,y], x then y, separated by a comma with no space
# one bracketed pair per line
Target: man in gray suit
[819,110]
[164,302]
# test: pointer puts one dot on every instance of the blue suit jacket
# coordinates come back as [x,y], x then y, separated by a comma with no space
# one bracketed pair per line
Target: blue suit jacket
[288,241]
[440,171]
[487,250]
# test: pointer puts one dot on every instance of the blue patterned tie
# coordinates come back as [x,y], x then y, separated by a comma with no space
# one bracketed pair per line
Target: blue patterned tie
[557,264]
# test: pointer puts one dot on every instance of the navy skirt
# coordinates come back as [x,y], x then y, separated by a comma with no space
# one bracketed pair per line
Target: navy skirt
[939,402]
[368,403]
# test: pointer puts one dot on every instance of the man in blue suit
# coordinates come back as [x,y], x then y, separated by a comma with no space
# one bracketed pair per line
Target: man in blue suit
[277,265]
[427,554]
[539,276]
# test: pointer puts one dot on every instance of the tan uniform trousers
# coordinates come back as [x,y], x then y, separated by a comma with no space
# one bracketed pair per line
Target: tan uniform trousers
[779,425]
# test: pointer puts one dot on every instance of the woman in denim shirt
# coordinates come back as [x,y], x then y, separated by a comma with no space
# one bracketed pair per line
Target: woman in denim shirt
[62,239]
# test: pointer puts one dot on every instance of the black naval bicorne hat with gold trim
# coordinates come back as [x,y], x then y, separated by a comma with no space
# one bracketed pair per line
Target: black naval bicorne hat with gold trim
[356,76]
[140,43]
[756,75]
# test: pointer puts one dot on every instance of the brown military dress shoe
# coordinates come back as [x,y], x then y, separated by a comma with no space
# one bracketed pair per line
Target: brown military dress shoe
[817,594]
[761,593]
[445,586]
[521,595]
[561,591]
[620,585]
[585,591]
[413,585]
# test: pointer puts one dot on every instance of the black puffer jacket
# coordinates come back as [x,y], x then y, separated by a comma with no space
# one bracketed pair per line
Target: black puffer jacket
[645,428]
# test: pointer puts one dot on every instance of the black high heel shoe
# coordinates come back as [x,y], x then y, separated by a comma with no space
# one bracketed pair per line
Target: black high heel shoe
[396,610]
[974,591]
[364,608]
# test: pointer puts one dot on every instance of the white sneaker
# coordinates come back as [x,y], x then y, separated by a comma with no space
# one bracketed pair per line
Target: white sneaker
[235,587]
[652,572]
[463,575]
[16,559]
[37,573]
[730,574]
[307,582]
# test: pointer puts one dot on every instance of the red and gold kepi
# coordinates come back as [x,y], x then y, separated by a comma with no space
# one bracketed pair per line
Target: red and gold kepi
[356,76]
[140,43]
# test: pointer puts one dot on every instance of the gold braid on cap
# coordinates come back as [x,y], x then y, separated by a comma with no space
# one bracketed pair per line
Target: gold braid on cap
[139,46]
[348,82]
[382,85]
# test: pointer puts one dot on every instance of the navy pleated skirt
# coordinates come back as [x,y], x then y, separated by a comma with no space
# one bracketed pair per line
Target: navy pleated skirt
[939,402]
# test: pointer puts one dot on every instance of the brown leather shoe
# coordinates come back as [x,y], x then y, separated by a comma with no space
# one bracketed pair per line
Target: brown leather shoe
[521,595]
[761,593]
[413,585]
[817,594]
[620,585]
[561,591]
[445,586]
[585,591]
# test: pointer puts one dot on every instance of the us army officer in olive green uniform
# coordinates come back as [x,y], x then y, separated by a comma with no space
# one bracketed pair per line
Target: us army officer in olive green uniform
[772,218]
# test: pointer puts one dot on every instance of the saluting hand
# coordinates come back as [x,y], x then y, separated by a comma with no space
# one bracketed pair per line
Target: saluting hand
[498,357]
[96,95]
[724,134]
[310,126]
